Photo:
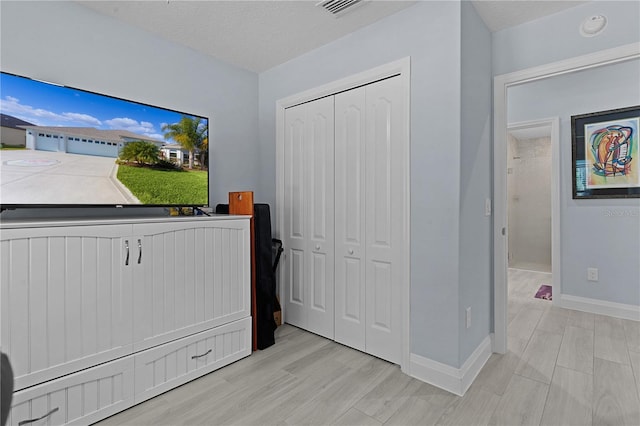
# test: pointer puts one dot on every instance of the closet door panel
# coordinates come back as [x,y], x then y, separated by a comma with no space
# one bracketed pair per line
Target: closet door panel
[309,217]
[320,258]
[294,216]
[350,204]
[385,161]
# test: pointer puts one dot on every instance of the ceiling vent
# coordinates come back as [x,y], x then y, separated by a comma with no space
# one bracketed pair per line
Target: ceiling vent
[340,7]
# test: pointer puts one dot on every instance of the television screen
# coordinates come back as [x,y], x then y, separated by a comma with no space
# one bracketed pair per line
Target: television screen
[62,146]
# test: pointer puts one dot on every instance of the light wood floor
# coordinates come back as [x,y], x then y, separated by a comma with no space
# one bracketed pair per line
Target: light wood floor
[563,368]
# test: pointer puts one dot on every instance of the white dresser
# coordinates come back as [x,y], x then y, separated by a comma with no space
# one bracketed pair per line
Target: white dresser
[99,315]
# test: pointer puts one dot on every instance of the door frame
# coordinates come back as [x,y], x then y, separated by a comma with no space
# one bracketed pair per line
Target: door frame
[402,69]
[501,84]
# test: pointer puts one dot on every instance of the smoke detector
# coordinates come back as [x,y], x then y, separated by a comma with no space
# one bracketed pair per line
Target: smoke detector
[593,25]
[340,7]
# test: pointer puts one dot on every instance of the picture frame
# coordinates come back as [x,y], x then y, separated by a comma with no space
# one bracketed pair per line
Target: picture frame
[606,154]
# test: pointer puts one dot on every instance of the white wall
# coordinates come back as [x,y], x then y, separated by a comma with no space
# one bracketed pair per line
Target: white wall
[603,233]
[66,43]
[434,49]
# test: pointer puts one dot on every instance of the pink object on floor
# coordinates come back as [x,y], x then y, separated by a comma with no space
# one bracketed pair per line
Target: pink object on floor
[544,292]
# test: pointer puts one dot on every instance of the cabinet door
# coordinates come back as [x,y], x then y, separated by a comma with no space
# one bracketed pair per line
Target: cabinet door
[190,276]
[164,367]
[77,399]
[66,299]
[308,200]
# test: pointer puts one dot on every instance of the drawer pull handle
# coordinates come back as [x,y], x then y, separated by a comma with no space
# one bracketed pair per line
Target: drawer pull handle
[25,422]
[139,251]
[200,356]
[126,246]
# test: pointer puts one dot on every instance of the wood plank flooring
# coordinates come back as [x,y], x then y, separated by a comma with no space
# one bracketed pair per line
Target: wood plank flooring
[562,368]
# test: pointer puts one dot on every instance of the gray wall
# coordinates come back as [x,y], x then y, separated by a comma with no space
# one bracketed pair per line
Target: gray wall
[604,234]
[434,47]
[475,182]
[66,43]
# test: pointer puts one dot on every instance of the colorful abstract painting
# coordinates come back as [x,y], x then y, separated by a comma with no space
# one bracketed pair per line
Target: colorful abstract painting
[612,154]
[606,154]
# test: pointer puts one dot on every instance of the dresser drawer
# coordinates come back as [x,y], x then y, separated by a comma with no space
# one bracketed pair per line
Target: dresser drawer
[164,367]
[80,398]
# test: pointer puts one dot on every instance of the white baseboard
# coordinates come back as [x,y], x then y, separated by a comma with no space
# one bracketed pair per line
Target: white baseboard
[451,379]
[612,309]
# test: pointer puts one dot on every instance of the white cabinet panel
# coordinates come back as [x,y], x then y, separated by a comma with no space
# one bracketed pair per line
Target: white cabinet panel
[79,298]
[81,398]
[66,299]
[192,276]
[164,367]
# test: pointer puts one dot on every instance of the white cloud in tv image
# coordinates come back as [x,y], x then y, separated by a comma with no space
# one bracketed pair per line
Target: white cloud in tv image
[102,150]
[144,128]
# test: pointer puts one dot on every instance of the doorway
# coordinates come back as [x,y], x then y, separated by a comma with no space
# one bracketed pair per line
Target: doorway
[529,188]
[501,85]
[532,221]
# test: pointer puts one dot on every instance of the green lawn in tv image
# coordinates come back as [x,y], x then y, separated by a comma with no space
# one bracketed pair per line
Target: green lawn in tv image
[154,179]
[165,186]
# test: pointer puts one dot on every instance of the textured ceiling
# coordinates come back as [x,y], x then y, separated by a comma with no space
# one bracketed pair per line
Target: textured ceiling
[255,35]
[258,35]
[498,15]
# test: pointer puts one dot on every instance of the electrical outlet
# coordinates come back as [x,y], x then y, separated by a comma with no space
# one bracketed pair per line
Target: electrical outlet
[469,317]
[592,274]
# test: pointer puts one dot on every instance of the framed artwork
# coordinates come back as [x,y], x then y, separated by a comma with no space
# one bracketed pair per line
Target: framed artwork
[605,154]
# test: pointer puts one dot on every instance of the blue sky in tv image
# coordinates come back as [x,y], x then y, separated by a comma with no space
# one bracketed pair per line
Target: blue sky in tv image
[45,104]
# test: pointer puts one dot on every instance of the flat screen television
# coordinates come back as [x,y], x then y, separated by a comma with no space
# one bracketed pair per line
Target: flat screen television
[64,147]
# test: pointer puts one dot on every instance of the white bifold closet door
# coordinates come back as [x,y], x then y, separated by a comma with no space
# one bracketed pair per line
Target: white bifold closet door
[357,176]
[308,200]
[369,218]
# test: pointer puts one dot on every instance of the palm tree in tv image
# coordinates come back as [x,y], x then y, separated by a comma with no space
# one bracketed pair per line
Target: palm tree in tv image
[190,133]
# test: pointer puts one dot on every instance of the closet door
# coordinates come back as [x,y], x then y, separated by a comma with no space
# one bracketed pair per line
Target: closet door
[385,218]
[309,217]
[350,309]
[370,218]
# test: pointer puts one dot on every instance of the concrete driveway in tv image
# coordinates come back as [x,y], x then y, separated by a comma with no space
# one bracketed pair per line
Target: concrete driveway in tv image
[45,177]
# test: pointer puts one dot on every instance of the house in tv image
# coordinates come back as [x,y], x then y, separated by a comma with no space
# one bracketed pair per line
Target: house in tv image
[177,154]
[12,131]
[82,140]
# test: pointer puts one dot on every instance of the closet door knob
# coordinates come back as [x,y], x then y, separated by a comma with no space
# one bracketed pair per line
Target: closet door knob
[317,246]
[350,251]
